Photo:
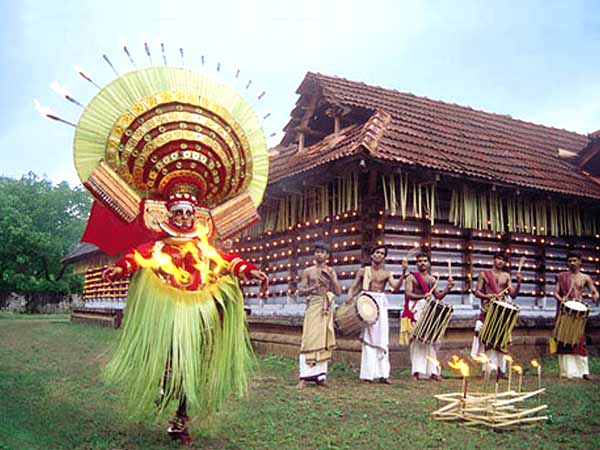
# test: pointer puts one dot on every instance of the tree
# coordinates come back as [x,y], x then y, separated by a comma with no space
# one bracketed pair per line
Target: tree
[39,224]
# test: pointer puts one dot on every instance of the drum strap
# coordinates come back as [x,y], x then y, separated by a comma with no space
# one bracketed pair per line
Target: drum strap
[491,281]
[407,311]
[367,279]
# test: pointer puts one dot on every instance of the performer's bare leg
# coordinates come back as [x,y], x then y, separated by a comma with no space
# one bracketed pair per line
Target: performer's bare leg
[301,385]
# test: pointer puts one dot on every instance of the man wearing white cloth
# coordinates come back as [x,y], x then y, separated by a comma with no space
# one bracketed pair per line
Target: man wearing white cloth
[375,358]
[319,283]
[493,284]
[571,285]
[420,287]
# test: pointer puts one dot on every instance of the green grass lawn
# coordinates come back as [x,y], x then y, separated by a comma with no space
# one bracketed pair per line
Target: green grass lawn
[52,397]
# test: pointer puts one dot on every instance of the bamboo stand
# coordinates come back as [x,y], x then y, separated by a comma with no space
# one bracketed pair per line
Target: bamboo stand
[499,411]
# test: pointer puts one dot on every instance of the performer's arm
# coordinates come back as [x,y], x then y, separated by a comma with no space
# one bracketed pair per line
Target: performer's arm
[335,284]
[240,267]
[396,285]
[127,265]
[592,288]
[441,294]
[514,290]
[409,290]
[356,285]
[303,288]
[479,293]
[557,294]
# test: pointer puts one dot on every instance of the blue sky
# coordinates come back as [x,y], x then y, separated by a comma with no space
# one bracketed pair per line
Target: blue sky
[533,60]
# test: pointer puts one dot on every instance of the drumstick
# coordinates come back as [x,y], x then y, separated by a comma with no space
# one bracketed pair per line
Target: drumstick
[435,283]
[521,262]
[566,297]
[410,253]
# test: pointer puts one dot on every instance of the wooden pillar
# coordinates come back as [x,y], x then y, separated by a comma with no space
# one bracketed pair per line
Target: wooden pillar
[336,124]
[371,204]
[468,270]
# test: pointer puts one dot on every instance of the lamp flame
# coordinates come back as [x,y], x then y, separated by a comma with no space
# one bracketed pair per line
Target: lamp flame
[508,358]
[459,364]
[482,358]
[534,363]
[517,368]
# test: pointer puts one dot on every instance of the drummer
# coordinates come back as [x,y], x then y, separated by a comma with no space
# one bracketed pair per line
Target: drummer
[571,285]
[493,284]
[420,287]
[319,284]
[375,358]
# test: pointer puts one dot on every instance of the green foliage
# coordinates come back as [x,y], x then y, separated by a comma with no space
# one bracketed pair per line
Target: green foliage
[39,224]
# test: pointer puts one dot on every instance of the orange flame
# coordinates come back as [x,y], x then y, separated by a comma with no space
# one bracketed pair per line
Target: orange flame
[517,369]
[534,363]
[482,358]
[163,262]
[459,364]
[207,259]
[508,358]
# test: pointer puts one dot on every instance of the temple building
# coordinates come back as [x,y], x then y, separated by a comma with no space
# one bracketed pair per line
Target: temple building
[361,165]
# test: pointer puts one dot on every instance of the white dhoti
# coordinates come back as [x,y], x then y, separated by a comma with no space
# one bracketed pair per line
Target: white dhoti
[419,351]
[573,366]
[316,372]
[496,359]
[375,356]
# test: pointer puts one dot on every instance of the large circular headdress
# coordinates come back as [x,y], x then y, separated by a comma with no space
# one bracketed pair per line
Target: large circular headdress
[162,126]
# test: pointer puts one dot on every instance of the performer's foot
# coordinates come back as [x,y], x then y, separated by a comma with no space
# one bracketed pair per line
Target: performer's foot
[587,377]
[322,383]
[178,432]
[301,385]
[365,381]
[385,381]
[417,376]
[436,377]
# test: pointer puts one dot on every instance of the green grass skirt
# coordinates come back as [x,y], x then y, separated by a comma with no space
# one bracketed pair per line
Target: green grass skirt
[202,333]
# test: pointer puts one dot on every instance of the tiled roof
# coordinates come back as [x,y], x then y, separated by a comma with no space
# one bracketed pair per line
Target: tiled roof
[443,136]
[350,141]
[81,251]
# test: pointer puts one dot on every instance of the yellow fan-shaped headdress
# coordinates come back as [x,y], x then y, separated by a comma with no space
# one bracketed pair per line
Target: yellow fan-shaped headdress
[155,128]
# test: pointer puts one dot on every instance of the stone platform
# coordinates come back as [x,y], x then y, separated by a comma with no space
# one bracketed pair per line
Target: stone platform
[277,334]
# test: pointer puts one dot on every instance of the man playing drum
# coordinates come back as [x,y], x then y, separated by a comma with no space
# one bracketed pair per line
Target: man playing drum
[420,287]
[319,284]
[493,284]
[375,358]
[573,362]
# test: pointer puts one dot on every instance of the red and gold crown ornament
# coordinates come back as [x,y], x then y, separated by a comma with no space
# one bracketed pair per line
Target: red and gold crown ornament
[160,135]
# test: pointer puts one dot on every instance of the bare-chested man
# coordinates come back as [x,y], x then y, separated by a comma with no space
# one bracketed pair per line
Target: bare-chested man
[319,284]
[420,287]
[493,284]
[571,285]
[375,358]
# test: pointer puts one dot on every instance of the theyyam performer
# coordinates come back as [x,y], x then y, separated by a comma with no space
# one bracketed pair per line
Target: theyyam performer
[319,284]
[175,160]
[420,287]
[375,357]
[493,284]
[570,286]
